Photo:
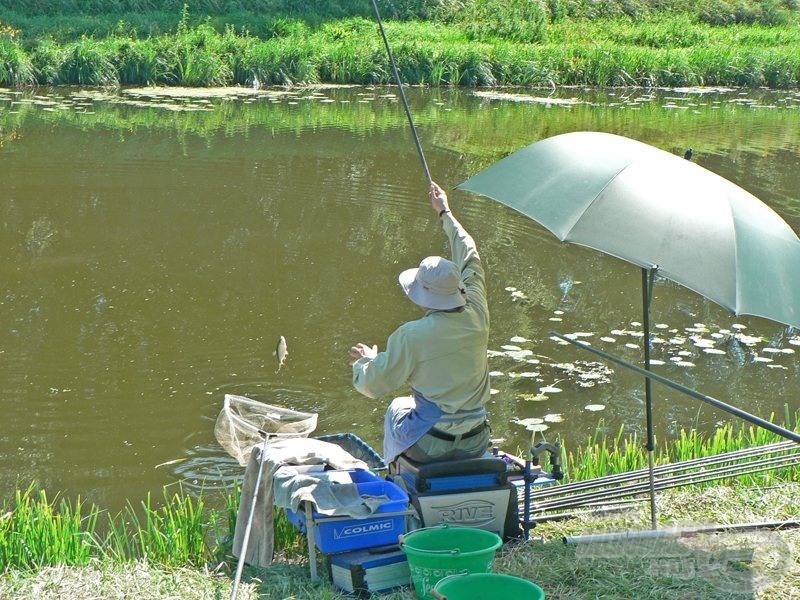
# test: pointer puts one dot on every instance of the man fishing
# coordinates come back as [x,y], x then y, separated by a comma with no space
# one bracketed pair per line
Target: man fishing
[441,356]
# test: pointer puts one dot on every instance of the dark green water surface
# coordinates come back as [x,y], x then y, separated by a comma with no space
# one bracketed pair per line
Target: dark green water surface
[155,246]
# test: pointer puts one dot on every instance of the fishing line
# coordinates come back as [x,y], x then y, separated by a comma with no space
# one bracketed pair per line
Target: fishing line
[402,93]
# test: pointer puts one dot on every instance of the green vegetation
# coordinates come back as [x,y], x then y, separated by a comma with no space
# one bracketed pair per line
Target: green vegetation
[602,456]
[56,548]
[38,532]
[435,42]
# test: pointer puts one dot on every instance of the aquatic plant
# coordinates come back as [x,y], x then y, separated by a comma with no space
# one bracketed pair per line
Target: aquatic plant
[16,68]
[37,531]
[485,44]
[604,455]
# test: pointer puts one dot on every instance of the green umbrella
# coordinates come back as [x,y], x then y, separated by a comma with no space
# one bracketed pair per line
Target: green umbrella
[660,212]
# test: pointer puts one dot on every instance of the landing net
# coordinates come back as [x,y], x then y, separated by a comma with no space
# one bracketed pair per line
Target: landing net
[240,419]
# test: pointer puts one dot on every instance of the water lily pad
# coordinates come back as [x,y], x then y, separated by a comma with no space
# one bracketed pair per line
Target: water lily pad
[533,397]
[549,389]
[629,345]
[662,326]
[554,418]
[528,421]
[738,326]
[496,373]
[556,320]
[529,374]
[511,289]
[703,343]
[558,312]
[519,339]
[656,362]
[714,351]
[510,347]
[518,355]
[748,340]
[685,363]
[763,359]
[608,339]
[595,407]
[493,391]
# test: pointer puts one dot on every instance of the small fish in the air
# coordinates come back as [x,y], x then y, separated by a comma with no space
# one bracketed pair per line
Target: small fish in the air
[171,462]
[281,351]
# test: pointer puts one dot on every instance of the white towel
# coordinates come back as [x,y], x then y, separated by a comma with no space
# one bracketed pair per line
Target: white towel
[290,451]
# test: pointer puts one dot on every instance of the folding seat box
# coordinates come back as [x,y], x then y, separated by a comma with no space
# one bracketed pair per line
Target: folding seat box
[473,492]
[370,571]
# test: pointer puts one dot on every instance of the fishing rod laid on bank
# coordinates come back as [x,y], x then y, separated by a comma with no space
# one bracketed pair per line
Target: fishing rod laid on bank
[402,93]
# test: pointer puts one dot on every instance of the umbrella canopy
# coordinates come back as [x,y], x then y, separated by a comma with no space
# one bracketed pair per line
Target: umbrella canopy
[655,210]
[664,214]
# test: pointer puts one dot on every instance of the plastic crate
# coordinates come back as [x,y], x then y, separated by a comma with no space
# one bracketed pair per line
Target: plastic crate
[370,571]
[357,447]
[343,533]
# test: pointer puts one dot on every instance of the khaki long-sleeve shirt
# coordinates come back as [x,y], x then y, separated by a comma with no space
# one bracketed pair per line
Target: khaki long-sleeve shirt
[442,355]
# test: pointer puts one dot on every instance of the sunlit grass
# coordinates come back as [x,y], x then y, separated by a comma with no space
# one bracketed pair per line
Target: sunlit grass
[669,49]
[609,455]
[177,531]
[37,531]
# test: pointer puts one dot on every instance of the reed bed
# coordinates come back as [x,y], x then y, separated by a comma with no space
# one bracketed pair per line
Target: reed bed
[178,531]
[476,47]
[606,455]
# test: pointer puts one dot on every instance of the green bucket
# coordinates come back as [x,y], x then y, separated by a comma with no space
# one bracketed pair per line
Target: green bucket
[436,552]
[478,586]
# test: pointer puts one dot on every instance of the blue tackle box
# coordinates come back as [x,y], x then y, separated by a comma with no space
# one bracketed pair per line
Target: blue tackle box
[370,571]
[343,533]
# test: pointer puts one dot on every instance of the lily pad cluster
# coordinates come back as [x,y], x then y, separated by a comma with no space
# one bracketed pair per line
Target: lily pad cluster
[684,347]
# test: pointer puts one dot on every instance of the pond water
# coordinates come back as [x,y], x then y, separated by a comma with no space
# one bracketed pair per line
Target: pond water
[156,244]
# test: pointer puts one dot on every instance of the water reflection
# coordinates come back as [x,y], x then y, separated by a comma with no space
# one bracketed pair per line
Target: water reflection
[156,245]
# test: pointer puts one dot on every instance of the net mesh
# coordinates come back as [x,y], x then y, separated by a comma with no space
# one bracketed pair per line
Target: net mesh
[240,419]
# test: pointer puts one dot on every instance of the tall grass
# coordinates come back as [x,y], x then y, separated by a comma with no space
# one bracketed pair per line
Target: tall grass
[606,455]
[40,532]
[179,530]
[173,534]
[668,50]
[15,66]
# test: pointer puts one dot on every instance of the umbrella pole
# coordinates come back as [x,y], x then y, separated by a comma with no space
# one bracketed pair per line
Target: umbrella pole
[647,289]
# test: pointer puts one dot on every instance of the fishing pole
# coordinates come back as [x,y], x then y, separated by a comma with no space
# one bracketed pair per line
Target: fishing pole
[402,94]
[246,539]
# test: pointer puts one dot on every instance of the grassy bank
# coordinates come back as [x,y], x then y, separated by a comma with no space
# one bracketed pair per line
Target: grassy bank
[475,43]
[178,547]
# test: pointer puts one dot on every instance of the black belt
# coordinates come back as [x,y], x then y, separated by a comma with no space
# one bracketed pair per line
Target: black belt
[441,435]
